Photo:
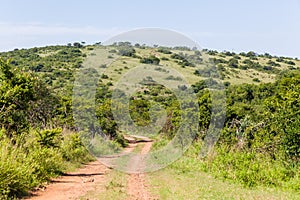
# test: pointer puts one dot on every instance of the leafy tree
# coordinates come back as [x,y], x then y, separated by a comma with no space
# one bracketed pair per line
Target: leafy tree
[284,111]
[251,54]
[77,44]
[16,91]
[24,100]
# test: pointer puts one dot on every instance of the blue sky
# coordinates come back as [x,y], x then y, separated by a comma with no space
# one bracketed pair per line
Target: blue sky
[271,26]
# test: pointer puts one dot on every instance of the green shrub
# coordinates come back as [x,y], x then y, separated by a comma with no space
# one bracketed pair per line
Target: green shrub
[44,163]
[233,63]
[249,168]
[256,80]
[14,180]
[33,159]
[164,50]
[49,138]
[150,60]
[126,51]
[73,149]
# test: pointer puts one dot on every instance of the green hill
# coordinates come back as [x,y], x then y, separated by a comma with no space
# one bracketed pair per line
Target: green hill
[258,144]
[56,64]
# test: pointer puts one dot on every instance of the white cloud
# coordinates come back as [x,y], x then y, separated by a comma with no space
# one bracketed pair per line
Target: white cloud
[34,34]
[40,29]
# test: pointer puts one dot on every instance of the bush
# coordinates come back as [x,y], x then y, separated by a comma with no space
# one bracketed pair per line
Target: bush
[227,83]
[150,60]
[171,77]
[289,62]
[77,44]
[33,159]
[250,169]
[251,54]
[14,180]
[217,60]
[164,50]
[23,168]
[177,56]
[73,149]
[49,138]
[112,51]
[126,51]
[256,80]
[272,63]
[280,59]
[233,63]
[207,72]
[104,76]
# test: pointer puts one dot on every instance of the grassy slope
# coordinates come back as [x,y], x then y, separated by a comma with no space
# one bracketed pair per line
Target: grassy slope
[235,76]
[117,66]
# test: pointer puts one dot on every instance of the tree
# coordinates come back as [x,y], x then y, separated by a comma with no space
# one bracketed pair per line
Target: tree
[16,90]
[77,44]
[284,107]
[251,54]
[24,100]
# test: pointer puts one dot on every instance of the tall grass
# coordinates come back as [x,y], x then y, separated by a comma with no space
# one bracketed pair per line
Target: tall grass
[249,168]
[26,162]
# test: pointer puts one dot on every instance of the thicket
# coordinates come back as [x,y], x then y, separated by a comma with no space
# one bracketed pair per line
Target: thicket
[34,146]
[259,144]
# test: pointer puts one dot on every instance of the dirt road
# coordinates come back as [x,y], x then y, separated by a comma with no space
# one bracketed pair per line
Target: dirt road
[73,185]
[137,187]
[76,184]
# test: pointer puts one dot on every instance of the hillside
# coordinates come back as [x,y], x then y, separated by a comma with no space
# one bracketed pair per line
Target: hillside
[56,64]
[49,119]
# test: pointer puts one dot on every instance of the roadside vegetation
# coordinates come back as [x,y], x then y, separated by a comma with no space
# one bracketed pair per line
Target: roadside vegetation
[32,151]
